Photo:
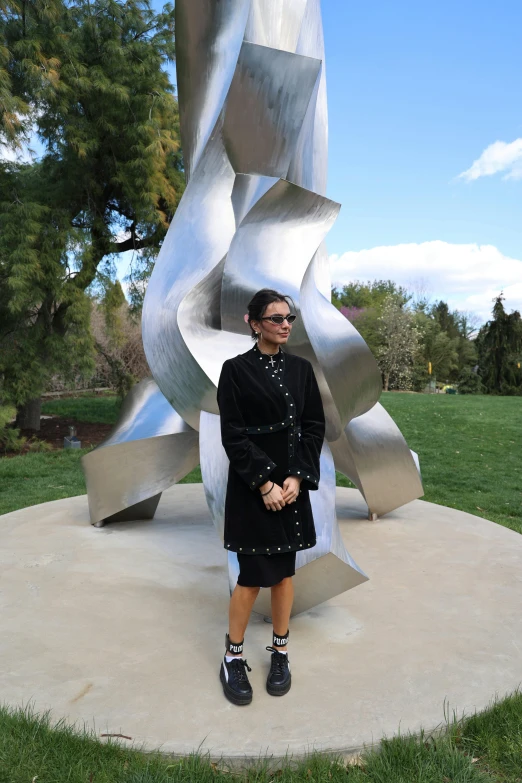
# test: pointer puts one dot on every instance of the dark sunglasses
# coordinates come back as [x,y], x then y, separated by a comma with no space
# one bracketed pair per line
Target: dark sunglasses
[278,319]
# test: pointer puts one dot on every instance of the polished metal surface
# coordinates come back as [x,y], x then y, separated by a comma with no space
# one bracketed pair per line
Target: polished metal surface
[254,125]
[149,449]
[209,35]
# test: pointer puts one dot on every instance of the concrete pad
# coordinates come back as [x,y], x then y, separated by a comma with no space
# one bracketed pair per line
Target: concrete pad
[123,628]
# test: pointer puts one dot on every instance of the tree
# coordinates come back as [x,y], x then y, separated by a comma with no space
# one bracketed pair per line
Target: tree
[435,347]
[469,382]
[399,344]
[370,294]
[362,304]
[469,324]
[448,322]
[25,64]
[109,181]
[500,350]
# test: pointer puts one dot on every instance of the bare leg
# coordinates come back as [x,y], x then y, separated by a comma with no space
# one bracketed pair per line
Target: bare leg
[282,600]
[241,604]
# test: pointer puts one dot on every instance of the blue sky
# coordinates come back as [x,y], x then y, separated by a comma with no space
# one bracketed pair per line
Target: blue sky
[417,92]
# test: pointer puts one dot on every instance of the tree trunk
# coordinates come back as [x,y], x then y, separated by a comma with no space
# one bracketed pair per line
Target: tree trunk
[386,380]
[28,415]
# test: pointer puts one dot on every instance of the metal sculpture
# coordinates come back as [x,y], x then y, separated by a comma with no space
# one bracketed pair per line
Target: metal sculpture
[252,99]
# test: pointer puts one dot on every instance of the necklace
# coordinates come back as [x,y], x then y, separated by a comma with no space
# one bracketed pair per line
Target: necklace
[271,361]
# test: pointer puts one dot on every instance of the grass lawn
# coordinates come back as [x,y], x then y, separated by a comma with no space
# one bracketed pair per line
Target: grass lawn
[470,450]
[482,748]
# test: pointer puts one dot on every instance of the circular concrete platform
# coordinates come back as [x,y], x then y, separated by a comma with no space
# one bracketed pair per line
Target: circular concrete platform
[123,627]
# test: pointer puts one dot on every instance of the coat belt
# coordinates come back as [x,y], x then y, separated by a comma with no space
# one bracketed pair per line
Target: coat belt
[278,425]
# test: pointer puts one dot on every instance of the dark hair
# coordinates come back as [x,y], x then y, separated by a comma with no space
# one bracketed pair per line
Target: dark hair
[260,301]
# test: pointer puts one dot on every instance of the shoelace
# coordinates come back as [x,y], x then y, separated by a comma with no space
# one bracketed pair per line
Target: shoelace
[278,660]
[239,665]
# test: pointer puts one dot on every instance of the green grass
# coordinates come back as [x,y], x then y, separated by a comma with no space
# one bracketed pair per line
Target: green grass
[483,748]
[469,448]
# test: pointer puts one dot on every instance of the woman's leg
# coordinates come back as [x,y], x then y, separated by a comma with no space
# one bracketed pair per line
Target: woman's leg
[282,600]
[241,604]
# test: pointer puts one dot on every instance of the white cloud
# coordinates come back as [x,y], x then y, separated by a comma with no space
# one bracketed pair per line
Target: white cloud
[468,277]
[499,156]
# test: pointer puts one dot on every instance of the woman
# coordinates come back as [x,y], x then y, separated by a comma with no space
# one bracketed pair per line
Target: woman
[272,429]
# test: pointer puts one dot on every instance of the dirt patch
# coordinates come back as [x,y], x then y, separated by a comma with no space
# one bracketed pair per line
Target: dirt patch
[54,429]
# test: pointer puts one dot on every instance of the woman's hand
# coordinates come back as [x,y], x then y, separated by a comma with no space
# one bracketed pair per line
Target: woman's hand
[274,501]
[291,486]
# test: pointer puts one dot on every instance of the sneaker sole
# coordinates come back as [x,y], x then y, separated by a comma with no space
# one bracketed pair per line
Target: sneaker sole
[230,694]
[280,690]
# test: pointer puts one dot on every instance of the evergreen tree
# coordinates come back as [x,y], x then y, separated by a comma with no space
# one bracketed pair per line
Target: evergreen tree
[500,351]
[448,322]
[470,382]
[109,180]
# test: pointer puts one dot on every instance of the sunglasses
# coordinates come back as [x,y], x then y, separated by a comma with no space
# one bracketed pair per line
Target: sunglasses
[278,319]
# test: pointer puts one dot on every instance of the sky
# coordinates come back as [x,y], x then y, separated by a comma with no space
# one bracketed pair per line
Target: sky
[425,113]
[425,119]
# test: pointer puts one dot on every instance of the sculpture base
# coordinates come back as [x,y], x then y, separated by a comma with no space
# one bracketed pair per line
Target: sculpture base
[102,626]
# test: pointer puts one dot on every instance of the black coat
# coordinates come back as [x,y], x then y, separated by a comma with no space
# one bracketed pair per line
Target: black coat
[272,426]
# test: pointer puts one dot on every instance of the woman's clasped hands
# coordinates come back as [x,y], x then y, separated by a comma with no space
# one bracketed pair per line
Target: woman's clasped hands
[280,496]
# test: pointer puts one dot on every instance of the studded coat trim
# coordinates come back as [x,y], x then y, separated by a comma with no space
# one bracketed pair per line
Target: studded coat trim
[272,426]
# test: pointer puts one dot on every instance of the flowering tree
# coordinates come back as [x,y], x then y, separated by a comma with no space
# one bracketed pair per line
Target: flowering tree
[400,339]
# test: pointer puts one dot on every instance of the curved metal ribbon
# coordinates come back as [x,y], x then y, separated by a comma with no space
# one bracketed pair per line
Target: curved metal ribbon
[252,94]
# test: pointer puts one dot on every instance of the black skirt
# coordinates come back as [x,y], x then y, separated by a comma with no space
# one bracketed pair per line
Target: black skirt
[265,570]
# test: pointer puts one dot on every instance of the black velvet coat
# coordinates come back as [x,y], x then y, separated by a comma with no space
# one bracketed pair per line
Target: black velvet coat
[272,426]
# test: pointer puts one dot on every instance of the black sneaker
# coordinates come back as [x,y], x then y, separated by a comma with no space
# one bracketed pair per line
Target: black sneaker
[234,680]
[279,678]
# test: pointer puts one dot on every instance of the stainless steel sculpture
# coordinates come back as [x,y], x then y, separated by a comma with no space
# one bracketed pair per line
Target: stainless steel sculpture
[252,97]
[149,449]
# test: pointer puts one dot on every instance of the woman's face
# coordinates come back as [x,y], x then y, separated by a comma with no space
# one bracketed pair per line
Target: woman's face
[274,333]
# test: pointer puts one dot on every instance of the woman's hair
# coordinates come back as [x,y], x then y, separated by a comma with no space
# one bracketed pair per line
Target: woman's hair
[260,301]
